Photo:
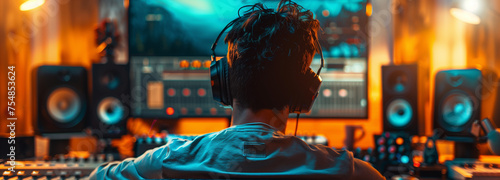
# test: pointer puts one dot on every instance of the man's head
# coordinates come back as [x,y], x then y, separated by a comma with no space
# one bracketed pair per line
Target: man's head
[267,51]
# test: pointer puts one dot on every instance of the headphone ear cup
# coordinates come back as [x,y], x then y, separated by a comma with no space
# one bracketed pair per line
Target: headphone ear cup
[215,81]
[219,76]
[307,91]
[225,86]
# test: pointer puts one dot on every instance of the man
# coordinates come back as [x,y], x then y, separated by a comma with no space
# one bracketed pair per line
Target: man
[267,51]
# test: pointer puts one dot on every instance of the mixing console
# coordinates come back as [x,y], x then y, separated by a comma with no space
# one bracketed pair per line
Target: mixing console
[61,168]
[470,169]
[392,154]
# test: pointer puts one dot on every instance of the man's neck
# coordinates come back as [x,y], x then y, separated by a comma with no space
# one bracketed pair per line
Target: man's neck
[275,118]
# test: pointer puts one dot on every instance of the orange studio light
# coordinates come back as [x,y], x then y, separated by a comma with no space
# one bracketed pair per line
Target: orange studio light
[467,11]
[465,16]
[31,4]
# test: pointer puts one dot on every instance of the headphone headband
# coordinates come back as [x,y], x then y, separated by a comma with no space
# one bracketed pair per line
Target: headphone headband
[214,45]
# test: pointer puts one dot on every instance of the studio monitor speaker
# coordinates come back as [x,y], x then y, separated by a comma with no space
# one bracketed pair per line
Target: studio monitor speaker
[110,99]
[400,98]
[457,101]
[61,95]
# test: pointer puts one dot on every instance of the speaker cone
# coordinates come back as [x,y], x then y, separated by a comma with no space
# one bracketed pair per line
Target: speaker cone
[399,113]
[64,105]
[457,110]
[110,111]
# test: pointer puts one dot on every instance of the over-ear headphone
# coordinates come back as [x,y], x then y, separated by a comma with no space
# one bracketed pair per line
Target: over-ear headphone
[301,102]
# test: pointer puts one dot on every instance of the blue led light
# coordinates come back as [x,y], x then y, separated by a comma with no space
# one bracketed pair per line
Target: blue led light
[405,159]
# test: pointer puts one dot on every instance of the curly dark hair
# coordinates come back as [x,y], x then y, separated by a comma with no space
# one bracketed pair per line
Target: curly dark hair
[267,50]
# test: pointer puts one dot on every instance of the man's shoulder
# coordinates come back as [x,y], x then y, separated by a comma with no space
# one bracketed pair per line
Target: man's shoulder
[322,148]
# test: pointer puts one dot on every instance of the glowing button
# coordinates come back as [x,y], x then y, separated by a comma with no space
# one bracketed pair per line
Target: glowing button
[430,144]
[381,141]
[171,92]
[405,159]
[198,111]
[416,164]
[392,149]
[343,93]
[355,27]
[325,13]
[423,139]
[206,64]
[158,139]
[196,64]
[327,92]
[414,139]
[399,141]
[184,64]
[184,111]
[170,111]
[202,92]
[7,173]
[213,111]
[186,92]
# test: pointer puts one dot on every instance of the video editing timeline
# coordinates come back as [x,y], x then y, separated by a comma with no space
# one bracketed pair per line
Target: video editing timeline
[170,49]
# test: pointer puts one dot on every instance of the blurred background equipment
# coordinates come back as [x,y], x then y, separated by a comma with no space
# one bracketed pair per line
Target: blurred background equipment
[457,102]
[493,135]
[59,167]
[110,99]
[400,99]
[110,104]
[62,99]
[393,153]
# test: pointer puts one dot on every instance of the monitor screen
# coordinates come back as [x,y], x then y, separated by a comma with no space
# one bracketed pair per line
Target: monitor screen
[169,49]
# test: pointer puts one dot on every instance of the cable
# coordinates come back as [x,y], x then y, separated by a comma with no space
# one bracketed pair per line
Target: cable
[151,128]
[296,124]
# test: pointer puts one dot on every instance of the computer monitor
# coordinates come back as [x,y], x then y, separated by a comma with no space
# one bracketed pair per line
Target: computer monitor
[169,51]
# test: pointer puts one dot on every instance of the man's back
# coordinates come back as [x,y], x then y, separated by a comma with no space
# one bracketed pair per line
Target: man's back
[253,150]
